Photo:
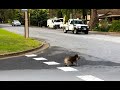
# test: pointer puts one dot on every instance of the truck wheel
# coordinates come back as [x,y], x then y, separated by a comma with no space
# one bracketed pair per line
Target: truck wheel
[48,27]
[64,30]
[75,31]
[86,32]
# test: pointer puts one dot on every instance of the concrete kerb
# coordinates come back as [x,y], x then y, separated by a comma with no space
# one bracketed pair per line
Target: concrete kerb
[41,48]
[106,33]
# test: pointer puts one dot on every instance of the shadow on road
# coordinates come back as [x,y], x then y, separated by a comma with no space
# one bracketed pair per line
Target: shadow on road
[54,53]
[58,53]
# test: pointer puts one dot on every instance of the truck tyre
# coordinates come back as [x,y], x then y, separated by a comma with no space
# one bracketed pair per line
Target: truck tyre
[64,30]
[48,26]
[86,32]
[75,31]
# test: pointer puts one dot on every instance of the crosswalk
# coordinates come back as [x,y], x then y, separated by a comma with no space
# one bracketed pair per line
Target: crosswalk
[40,58]
[65,69]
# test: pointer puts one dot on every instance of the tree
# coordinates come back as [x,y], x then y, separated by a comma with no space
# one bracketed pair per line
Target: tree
[59,14]
[10,14]
[93,19]
[38,15]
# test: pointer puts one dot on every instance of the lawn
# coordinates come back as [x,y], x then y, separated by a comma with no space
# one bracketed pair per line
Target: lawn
[11,42]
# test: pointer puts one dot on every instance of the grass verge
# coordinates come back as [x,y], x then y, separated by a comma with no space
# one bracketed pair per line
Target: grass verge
[11,42]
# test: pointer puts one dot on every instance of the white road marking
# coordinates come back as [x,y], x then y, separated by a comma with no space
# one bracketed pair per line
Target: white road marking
[31,55]
[67,68]
[40,58]
[89,78]
[51,63]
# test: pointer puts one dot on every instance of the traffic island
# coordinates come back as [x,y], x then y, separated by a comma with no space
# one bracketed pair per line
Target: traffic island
[12,44]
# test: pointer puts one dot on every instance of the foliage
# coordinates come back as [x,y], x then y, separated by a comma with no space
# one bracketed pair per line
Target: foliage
[102,26]
[115,27]
[38,15]
[7,15]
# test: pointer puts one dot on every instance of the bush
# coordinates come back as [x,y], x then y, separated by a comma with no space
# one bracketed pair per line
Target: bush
[102,26]
[96,28]
[115,27]
[38,15]
[9,21]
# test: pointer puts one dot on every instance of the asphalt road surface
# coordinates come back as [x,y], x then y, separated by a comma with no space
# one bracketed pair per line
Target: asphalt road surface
[99,54]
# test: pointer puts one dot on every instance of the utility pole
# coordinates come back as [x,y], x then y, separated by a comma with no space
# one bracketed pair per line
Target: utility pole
[26,25]
[26,28]
[29,17]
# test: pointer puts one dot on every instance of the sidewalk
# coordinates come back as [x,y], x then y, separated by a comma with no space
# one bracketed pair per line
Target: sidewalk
[106,33]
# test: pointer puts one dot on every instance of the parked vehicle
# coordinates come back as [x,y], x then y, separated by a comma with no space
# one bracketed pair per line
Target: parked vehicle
[76,25]
[16,23]
[61,25]
[54,23]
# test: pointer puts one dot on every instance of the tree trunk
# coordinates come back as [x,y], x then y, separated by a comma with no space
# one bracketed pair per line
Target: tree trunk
[50,13]
[93,19]
[83,13]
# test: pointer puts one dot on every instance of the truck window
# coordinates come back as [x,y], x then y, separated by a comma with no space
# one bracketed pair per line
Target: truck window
[61,20]
[76,22]
[57,20]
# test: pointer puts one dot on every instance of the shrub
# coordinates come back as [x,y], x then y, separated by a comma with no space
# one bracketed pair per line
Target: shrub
[96,28]
[9,21]
[102,26]
[115,27]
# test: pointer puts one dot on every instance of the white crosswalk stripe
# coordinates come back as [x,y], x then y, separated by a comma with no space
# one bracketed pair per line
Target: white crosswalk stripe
[67,68]
[31,55]
[51,63]
[89,78]
[40,58]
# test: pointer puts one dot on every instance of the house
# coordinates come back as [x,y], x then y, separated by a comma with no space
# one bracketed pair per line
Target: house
[110,14]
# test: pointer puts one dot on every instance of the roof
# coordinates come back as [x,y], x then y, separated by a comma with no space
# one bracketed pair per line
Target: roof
[109,11]
[102,13]
[113,16]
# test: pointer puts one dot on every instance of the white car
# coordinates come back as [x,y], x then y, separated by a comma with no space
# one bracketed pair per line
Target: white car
[76,25]
[16,23]
[54,23]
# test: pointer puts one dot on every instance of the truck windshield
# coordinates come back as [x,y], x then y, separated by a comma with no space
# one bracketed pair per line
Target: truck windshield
[76,22]
[57,20]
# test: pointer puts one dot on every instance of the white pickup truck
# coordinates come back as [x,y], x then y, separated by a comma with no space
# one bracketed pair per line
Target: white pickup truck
[75,25]
[54,23]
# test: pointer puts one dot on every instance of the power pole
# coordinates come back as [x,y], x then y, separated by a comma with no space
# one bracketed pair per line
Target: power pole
[29,17]
[26,25]
[26,28]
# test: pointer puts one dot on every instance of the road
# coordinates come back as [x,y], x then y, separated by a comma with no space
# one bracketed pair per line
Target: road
[99,57]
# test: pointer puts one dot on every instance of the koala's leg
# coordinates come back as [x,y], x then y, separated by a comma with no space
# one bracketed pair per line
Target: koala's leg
[76,63]
[69,63]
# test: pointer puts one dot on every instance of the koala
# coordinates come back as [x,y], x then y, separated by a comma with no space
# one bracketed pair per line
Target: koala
[70,60]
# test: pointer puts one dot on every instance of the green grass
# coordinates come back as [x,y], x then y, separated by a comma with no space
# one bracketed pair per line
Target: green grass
[11,42]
